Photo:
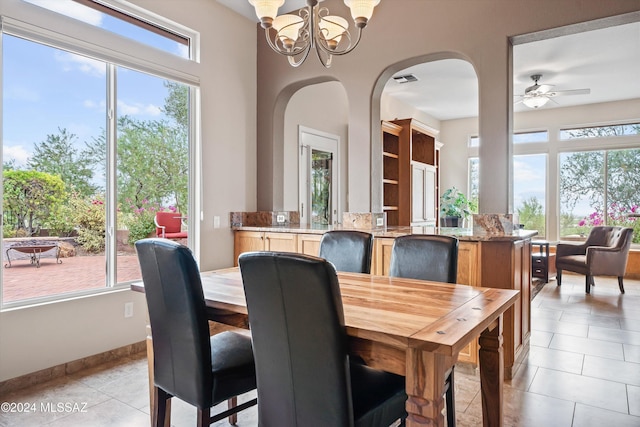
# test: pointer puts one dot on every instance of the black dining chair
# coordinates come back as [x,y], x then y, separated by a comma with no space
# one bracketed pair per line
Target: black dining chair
[189,364]
[305,377]
[348,250]
[433,258]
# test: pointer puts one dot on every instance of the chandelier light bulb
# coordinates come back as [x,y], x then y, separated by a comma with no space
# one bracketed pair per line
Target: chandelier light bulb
[288,28]
[361,10]
[332,28]
[266,10]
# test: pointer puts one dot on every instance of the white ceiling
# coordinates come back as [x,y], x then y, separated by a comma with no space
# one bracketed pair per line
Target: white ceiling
[607,61]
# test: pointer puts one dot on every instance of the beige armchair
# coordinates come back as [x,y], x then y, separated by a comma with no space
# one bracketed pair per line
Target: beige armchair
[604,253]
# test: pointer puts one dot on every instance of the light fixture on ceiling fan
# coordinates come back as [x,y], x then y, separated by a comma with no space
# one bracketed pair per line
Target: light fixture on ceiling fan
[313,27]
[537,95]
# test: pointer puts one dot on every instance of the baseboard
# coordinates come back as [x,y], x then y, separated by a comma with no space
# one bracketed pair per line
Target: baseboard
[72,367]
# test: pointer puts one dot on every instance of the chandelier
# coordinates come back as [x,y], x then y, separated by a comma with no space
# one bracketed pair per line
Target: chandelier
[295,35]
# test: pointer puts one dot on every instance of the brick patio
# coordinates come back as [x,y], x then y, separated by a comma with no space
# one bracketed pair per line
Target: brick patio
[23,280]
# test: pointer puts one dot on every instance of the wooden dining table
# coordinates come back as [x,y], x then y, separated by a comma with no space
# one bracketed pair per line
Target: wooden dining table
[409,327]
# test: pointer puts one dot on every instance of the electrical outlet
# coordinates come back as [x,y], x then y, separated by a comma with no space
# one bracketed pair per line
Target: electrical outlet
[379,222]
[280,219]
[216,222]
[128,309]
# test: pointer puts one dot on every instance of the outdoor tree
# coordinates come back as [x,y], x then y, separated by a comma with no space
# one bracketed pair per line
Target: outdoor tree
[153,155]
[583,174]
[29,199]
[531,214]
[58,155]
[153,161]
[176,103]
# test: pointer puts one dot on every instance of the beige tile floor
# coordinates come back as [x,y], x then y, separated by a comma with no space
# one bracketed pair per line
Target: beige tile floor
[583,370]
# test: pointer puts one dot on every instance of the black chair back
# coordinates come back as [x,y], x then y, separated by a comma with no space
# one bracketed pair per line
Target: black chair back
[348,250]
[425,257]
[177,313]
[299,339]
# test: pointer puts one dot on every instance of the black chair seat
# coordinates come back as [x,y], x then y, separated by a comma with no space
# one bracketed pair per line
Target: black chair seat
[376,396]
[232,365]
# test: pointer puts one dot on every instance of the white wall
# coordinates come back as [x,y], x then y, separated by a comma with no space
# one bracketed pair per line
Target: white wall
[38,337]
[400,34]
[322,107]
[393,109]
[453,157]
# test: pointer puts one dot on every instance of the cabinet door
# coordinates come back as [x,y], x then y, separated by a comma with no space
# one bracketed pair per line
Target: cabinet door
[247,241]
[309,244]
[382,255]
[281,242]
[423,192]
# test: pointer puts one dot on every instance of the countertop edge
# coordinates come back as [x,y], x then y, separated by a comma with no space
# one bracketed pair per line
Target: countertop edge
[392,232]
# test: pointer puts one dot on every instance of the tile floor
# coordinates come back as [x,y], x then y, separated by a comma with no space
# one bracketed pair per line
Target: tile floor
[583,370]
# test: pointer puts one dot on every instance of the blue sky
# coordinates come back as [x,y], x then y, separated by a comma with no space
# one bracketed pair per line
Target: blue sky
[46,88]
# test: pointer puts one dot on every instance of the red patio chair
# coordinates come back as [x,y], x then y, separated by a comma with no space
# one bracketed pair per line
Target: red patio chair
[169,225]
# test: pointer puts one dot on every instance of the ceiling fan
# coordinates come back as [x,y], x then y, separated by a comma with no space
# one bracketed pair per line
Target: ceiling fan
[536,96]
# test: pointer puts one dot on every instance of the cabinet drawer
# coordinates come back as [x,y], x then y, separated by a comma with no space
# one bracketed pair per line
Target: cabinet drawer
[539,272]
[539,261]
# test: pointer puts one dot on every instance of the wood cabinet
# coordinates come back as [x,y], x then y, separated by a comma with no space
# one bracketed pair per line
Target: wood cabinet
[393,178]
[309,244]
[423,194]
[504,264]
[410,172]
[250,241]
[507,265]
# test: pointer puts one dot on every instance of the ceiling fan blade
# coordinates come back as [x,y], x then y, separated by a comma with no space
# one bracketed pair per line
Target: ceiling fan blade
[570,92]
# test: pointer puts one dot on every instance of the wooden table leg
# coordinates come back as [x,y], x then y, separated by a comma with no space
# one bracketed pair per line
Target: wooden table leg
[492,374]
[425,387]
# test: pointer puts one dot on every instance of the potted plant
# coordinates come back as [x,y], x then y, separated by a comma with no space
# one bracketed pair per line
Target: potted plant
[454,205]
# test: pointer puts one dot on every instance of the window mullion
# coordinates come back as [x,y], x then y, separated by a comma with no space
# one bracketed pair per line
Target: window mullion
[110,167]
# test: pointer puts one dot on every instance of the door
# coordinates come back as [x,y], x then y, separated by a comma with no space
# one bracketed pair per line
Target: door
[318,186]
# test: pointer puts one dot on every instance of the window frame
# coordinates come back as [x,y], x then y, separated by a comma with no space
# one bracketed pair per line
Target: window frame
[40,25]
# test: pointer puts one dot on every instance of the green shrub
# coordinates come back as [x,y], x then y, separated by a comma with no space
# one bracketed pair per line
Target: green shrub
[90,218]
[140,221]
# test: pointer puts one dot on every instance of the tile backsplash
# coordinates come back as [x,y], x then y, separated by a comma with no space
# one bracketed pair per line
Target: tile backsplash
[264,218]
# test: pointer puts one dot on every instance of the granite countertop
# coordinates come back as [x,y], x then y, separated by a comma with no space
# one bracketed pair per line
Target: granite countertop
[461,233]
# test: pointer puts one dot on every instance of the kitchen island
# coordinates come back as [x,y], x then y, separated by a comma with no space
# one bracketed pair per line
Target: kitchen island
[498,260]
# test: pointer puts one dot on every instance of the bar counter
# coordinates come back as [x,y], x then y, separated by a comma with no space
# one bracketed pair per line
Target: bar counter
[463,234]
[496,260]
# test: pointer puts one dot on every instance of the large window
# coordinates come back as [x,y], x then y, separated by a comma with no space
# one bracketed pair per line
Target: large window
[599,188]
[529,184]
[563,194]
[91,151]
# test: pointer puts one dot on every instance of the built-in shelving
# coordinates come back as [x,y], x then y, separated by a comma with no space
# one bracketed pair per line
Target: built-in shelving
[407,144]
